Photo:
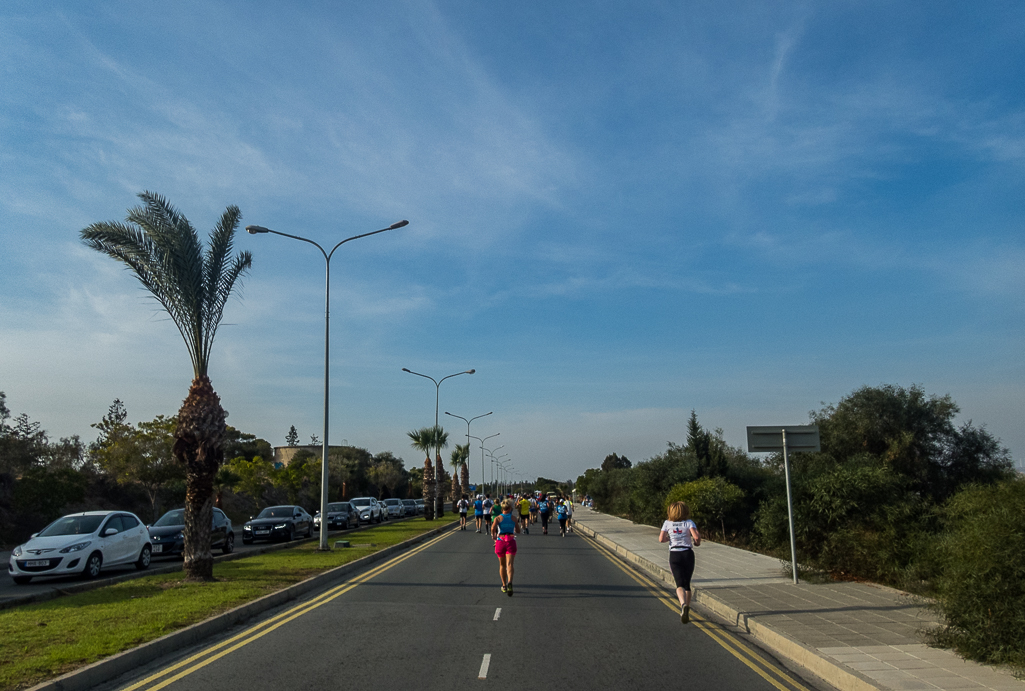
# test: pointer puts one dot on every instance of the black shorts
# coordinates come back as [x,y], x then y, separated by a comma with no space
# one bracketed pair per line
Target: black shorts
[682,564]
[462,514]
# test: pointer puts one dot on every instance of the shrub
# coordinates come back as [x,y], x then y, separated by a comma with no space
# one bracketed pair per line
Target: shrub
[981,591]
[710,498]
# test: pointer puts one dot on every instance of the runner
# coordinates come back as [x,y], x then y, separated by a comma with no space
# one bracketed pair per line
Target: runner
[487,513]
[533,509]
[569,514]
[478,512]
[496,511]
[682,535]
[503,530]
[543,507]
[524,513]
[463,504]
[562,515]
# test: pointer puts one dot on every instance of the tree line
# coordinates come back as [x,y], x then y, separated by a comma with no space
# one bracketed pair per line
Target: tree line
[899,494]
[132,467]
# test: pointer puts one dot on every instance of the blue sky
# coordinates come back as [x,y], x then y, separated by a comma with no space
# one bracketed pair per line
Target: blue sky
[619,212]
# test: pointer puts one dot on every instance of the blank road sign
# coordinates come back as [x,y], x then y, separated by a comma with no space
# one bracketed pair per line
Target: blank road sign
[799,438]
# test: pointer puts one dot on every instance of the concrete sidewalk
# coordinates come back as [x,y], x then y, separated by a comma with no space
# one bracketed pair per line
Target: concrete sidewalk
[855,636]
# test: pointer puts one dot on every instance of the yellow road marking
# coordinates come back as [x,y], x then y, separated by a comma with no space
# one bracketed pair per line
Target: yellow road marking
[734,646]
[263,628]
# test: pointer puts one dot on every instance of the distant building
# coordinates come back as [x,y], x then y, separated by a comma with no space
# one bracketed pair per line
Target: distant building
[283,455]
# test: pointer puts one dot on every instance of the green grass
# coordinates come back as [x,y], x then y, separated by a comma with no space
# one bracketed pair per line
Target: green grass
[44,640]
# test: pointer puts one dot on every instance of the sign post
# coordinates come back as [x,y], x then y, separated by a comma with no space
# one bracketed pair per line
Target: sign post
[785,438]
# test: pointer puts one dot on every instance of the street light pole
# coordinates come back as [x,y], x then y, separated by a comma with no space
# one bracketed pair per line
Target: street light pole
[256,230]
[483,476]
[439,501]
[468,434]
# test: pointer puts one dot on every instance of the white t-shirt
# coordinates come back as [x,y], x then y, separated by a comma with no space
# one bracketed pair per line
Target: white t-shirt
[679,534]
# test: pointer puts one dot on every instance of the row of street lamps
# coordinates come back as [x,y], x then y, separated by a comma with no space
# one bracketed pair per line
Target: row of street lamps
[255,230]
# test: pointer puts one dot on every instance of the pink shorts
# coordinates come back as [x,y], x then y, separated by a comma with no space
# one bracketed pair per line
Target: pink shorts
[506,544]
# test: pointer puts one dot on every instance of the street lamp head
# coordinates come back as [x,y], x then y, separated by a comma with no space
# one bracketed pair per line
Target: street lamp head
[400,224]
[406,370]
[470,371]
[253,230]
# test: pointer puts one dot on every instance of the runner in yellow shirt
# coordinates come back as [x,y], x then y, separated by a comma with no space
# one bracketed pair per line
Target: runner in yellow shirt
[524,513]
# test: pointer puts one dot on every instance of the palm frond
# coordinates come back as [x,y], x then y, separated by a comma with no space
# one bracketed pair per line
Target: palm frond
[164,251]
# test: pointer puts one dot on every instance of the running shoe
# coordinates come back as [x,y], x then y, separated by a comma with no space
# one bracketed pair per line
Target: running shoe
[503,589]
[685,615]
[508,590]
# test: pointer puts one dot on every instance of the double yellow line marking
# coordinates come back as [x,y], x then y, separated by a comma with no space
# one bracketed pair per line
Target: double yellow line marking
[778,678]
[216,652]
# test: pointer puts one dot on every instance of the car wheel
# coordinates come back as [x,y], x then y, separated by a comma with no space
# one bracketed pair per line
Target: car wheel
[144,558]
[93,565]
[22,580]
[229,544]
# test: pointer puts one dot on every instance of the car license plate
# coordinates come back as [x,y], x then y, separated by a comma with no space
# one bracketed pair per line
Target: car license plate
[157,549]
[261,532]
[37,562]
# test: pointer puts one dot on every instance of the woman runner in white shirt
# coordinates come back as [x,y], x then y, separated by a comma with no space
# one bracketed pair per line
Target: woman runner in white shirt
[682,535]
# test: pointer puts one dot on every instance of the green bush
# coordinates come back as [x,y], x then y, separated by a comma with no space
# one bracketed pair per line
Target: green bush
[709,499]
[981,591]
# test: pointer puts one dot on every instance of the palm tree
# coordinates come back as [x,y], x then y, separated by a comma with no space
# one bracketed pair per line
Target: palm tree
[192,283]
[459,457]
[427,439]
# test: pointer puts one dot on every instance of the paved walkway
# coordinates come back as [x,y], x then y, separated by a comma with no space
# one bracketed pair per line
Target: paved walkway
[855,636]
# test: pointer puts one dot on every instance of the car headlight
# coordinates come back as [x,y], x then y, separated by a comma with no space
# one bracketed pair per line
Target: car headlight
[76,547]
[17,551]
[280,526]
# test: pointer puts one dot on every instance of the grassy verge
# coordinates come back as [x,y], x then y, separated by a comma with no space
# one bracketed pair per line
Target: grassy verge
[47,639]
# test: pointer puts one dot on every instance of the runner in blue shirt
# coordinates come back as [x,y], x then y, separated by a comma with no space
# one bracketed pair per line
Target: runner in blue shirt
[544,507]
[478,512]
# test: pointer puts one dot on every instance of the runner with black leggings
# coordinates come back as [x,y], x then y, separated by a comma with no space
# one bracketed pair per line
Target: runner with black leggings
[544,507]
[682,535]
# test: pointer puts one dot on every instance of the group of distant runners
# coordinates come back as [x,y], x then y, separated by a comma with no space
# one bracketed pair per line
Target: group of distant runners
[511,515]
[505,517]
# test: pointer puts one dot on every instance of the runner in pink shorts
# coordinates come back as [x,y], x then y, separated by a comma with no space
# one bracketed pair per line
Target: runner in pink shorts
[503,530]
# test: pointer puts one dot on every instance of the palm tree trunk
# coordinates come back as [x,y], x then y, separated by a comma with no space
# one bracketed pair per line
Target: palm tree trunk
[198,438]
[464,475]
[428,489]
[440,494]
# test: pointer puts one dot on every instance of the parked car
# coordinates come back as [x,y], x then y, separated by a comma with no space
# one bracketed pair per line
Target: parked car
[394,508]
[419,505]
[278,523]
[410,507]
[167,538]
[341,515]
[82,543]
[370,510]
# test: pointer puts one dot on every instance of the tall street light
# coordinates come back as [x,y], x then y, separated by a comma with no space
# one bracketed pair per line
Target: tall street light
[468,433]
[492,466]
[439,501]
[255,230]
[483,476]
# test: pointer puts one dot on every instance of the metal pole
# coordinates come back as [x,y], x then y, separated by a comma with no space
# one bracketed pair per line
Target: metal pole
[790,509]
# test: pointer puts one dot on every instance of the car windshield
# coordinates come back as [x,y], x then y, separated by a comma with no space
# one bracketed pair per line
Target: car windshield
[171,518]
[73,525]
[276,512]
[361,502]
[337,507]
[407,502]
[392,502]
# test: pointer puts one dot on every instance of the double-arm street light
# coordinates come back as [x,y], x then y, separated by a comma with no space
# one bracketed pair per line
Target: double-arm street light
[439,500]
[255,230]
[483,476]
[468,437]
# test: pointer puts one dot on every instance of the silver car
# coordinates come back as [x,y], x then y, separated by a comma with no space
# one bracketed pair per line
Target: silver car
[370,510]
[394,508]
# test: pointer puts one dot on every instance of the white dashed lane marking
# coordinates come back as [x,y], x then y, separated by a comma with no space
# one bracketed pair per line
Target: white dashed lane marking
[484,666]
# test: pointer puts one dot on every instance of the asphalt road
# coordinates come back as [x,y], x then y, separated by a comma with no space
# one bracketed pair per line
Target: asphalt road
[434,618]
[40,584]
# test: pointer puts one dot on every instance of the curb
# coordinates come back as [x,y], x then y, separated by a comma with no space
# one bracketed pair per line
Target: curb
[776,641]
[114,666]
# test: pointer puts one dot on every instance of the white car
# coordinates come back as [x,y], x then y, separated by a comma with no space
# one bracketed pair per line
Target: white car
[370,510]
[394,508]
[82,543]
